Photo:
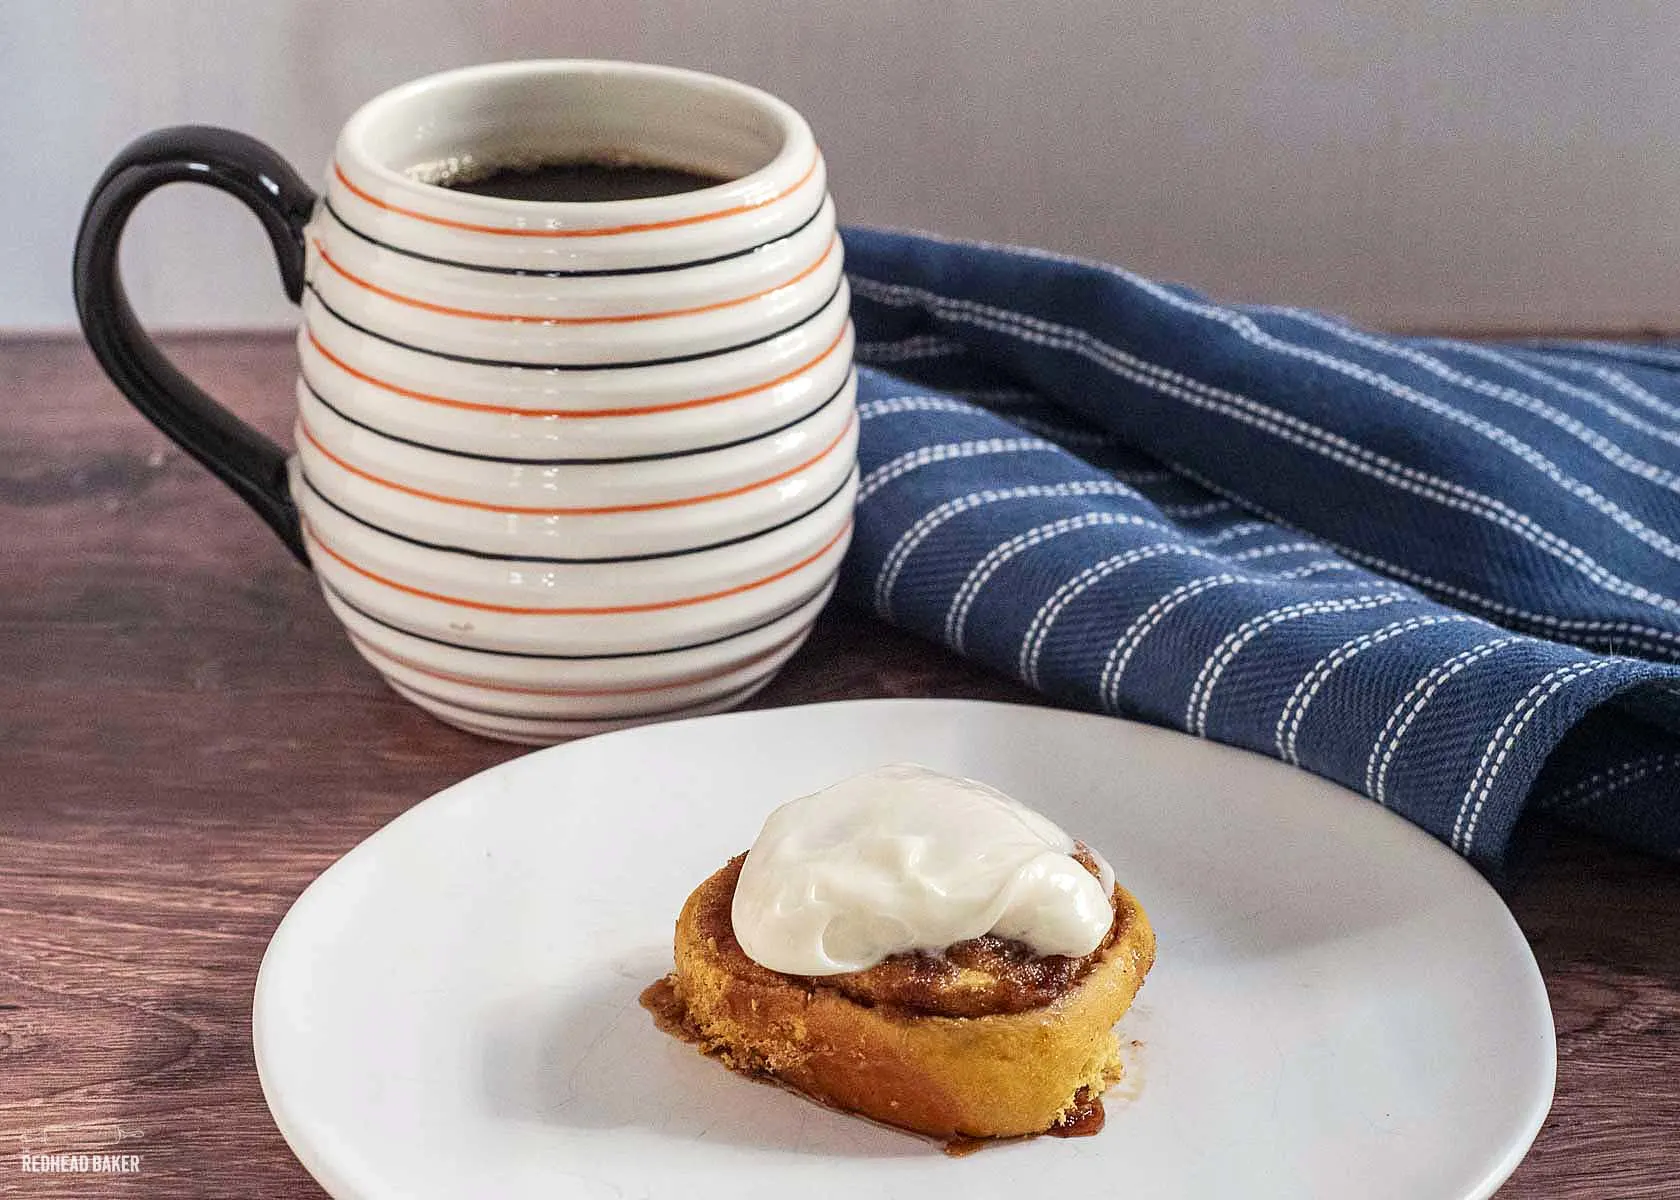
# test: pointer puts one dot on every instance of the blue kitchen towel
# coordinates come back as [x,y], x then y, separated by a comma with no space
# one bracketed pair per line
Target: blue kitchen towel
[1445,574]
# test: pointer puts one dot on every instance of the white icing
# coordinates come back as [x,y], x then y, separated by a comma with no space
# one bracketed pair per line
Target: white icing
[903,858]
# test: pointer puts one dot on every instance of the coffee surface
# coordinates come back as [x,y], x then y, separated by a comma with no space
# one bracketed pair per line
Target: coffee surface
[587,181]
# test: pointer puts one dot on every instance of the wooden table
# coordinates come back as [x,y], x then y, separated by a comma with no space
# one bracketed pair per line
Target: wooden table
[186,740]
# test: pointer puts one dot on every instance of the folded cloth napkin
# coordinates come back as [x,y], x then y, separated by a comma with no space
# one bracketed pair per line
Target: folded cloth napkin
[1445,574]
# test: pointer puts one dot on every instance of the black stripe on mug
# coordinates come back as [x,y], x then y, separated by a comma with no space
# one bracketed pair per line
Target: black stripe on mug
[573,462]
[537,558]
[725,698]
[528,271]
[606,366]
[818,594]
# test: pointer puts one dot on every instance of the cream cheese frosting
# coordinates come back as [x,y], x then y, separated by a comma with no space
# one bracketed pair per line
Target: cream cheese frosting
[904,858]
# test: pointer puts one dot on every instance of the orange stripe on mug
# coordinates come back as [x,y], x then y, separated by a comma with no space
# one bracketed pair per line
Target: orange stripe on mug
[670,686]
[582,611]
[583,511]
[569,413]
[531,319]
[604,231]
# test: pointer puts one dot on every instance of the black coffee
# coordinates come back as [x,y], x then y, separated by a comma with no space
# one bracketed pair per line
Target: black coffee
[586,181]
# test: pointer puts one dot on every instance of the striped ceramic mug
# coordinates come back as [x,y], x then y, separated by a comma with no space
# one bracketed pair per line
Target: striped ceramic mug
[559,466]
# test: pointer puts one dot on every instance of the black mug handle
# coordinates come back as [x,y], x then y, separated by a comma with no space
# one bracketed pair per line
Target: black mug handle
[251,464]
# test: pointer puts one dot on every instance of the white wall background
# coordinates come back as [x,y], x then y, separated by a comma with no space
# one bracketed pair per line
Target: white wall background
[1479,163]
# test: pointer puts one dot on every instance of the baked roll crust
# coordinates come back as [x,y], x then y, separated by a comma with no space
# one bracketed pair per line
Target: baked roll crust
[983,1041]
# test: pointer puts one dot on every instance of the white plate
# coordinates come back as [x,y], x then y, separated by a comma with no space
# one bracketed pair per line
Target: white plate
[1340,1007]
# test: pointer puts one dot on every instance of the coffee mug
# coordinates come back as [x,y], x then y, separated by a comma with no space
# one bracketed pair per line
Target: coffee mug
[561,465]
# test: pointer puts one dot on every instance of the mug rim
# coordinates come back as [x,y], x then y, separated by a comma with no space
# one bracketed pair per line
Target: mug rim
[753,188]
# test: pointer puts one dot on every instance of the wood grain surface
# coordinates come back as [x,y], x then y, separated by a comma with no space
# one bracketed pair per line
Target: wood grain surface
[186,740]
